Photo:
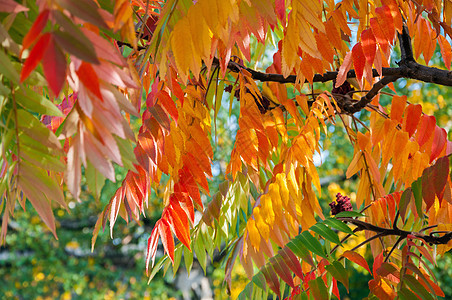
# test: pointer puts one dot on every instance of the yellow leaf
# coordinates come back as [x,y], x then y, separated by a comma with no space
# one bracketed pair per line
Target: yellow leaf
[181,47]
[253,233]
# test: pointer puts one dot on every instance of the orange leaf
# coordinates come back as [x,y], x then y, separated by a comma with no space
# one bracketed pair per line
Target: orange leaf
[446,51]
[333,34]
[325,47]
[398,107]
[386,22]
[379,34]
[89,78]
[35,56]
[381,289]
[357,259]
[397,17]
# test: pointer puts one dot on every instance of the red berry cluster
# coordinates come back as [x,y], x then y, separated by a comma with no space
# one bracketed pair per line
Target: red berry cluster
[342,203]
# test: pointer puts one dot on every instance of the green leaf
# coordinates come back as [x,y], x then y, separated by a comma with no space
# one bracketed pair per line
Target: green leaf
[326,233]
[311,243]
[127,156]
[36,103]
[43,181]
[157,267]
[94,179]
[72,39]
[36,130]
[349,214]
[417,287]
[31,143]
[188,259]
[337,270]
[7,69]
[43,160]
[299,250]
[247,292]
[200,252]
[339,225]
[177,258]
[406,294]
[417,193]
[8,42]
[85,10]
[259,280]
[318,289]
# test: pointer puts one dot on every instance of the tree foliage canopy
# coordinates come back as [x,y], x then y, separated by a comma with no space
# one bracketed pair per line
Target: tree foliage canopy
[76,75]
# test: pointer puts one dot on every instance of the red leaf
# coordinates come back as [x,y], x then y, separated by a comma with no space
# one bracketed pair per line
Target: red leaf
[180,222]
[35,30]
[35,56]
[292,261]
[343,70]
[439,141]
[428,189]
[167,103]
[89,78]
[115,204]
[335,289]
[359,60]
[411,118]
[271,278]
[425,129]
[440,175]
[185,202]
[282,269]
[167,238]
[153,243]
[280,9]
[187,180]
[54,64]
[192,163]
[369,45]
[357,259]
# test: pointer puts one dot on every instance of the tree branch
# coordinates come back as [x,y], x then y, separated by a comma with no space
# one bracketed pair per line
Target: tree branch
[410,70]
[437,240]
